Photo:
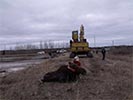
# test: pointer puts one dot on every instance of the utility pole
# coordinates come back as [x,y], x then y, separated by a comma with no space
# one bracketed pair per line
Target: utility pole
[112,42]
[4,46]
[94,41]
[41,47]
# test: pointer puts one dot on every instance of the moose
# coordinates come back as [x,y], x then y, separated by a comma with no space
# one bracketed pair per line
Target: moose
[66,73]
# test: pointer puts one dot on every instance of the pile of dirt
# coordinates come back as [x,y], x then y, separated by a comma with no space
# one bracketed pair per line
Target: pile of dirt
[105,80]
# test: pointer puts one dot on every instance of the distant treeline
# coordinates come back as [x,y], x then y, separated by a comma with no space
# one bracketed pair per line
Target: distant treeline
[34,45]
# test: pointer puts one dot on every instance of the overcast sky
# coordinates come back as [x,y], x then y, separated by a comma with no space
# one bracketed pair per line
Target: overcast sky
[35,20]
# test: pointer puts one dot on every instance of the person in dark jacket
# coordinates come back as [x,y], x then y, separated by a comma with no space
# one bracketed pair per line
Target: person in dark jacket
[3,52]
[103,53]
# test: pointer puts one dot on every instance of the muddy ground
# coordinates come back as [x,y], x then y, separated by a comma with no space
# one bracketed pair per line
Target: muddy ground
[105,80]
[6,67]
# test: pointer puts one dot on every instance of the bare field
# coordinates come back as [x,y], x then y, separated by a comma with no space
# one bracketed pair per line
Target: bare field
[105,80]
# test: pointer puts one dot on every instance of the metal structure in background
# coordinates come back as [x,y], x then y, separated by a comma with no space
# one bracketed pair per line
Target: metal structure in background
[79,45]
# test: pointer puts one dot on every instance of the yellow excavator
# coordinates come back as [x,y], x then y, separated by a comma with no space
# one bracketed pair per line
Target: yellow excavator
[79,45]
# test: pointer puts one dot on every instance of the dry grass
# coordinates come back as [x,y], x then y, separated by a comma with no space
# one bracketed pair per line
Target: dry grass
[122,50]
[106,80]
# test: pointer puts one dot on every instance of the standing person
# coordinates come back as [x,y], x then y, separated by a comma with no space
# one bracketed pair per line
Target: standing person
[96,51]
[3,52]
[103,53]
[50,54]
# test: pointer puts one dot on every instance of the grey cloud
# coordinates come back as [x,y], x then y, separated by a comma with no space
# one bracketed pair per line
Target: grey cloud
[27,20]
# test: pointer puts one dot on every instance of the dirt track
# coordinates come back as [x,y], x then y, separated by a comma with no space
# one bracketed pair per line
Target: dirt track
[105,80]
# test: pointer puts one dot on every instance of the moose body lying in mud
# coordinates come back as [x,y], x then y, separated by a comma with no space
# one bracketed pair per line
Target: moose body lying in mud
[66,73]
